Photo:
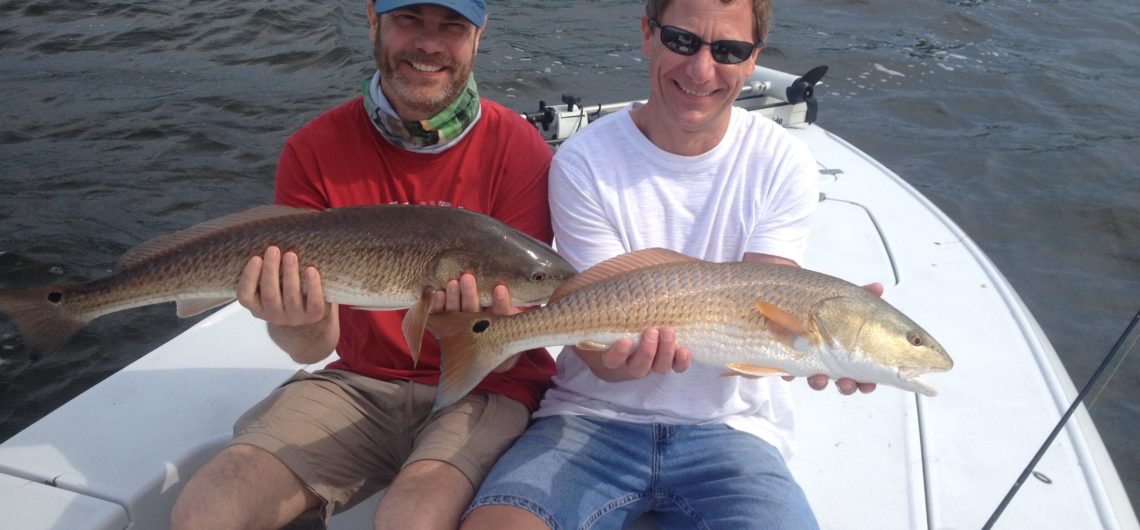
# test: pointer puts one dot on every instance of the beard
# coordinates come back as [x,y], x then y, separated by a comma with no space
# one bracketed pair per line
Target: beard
[413,95]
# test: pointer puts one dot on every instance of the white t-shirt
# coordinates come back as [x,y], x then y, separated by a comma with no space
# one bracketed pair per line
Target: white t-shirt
[613,191]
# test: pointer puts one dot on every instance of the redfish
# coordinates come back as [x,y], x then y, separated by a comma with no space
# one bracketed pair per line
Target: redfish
[381,257]
[753,319]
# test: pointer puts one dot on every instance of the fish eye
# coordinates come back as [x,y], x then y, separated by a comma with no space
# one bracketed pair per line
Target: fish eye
[538,276]
[914,338]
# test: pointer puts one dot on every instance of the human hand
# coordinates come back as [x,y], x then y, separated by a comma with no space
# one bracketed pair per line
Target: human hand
[846,386]
[271,288]
[656,352]
[463,295]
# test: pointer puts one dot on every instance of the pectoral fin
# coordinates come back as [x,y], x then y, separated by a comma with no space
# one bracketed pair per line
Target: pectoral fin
[752,370]
[189,308]
[414,322]
[590,345]
[785,327]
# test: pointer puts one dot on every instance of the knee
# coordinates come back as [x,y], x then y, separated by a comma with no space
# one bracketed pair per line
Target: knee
[182,517]
[191,509]
[193,502]
[202,500]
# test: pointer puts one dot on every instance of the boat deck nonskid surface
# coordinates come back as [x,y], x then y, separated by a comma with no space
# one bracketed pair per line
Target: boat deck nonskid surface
[890,459]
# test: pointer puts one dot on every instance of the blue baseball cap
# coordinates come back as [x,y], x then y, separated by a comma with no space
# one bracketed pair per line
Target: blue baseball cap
[473,10]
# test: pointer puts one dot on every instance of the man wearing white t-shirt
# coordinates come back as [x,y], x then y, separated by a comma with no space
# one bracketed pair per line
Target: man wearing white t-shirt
[628,431]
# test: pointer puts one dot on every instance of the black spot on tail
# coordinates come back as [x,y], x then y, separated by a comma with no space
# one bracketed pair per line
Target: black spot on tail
[55,297]
[481,326]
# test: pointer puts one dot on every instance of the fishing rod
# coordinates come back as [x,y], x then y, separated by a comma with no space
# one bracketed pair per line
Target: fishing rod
[1064,419]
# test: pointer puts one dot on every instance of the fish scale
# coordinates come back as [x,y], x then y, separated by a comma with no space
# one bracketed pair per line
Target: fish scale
[752,318]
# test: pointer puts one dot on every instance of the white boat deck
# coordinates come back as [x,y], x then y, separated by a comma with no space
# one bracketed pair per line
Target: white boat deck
[897,460]
[116,456]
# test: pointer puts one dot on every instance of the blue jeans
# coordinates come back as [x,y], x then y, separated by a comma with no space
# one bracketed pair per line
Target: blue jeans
[580,472]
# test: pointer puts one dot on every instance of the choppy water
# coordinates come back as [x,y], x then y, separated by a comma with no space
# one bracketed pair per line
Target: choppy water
[122,121]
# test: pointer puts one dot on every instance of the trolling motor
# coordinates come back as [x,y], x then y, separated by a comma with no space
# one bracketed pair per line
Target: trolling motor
[544,117]
[566,119]
[788,87]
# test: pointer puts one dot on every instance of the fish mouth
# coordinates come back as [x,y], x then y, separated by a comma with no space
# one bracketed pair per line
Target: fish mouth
[907,372]
[922,387]
[520,296]
[910,377]
[530,301]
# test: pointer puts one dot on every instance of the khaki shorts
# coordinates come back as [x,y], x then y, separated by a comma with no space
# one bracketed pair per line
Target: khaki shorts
[346,436]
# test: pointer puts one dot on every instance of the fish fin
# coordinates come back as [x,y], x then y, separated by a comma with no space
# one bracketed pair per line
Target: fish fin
[191,307]
[592,345]
[414,321]
[463,361]
[784,326]
[163,244]
[618,265]
[831,305]
[752,370]
[41,315]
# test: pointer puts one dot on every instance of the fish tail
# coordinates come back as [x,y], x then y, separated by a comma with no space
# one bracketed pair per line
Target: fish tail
[464,360]
[41,315]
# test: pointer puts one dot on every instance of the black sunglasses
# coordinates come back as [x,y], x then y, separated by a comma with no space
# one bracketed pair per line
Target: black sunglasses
[688,43]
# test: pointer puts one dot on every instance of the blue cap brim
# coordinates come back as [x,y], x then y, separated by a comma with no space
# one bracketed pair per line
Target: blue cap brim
[473,10]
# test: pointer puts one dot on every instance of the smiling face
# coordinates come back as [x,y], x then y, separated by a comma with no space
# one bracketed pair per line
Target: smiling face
[425,54]
[691,96]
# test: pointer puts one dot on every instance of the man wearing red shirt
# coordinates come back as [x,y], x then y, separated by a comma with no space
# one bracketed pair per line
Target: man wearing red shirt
[419,134]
